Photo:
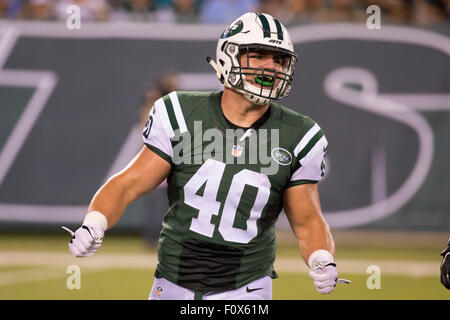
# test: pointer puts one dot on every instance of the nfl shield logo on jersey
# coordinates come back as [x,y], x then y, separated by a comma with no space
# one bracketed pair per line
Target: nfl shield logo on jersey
[237,151]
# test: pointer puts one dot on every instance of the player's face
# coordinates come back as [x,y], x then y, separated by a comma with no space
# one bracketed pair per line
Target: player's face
[271,61]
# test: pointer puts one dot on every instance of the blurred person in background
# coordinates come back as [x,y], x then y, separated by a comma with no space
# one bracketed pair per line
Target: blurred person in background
[279,8]
[157,88]
[300,11]
[186,11]
[4,6]
[348,10]
[164,12]
[393,11]
[423,13]
[427,13]
[176,11]
[223,11]
[341,11]
[304,11]
[120,10]
[38,10]
[139,10]
[90,10]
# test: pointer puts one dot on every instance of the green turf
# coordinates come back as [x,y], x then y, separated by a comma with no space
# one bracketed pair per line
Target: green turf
[125,284]
[14,268]
[114,284]
[299,286]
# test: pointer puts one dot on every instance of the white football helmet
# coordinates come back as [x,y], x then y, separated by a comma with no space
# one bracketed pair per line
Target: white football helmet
[251,32]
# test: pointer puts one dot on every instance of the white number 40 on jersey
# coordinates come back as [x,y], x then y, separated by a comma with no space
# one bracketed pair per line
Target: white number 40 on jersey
[211,172]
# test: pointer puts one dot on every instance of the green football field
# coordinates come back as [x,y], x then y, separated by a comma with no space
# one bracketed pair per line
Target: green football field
[380,266]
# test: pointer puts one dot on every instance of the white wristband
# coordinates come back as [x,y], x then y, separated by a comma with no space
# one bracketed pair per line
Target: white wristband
[98,218]
[324,255]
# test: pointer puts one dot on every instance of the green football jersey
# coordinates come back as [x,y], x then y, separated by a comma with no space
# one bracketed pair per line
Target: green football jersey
[226,187]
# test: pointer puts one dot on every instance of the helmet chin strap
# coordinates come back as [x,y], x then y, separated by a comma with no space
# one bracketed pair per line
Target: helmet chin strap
[255,99]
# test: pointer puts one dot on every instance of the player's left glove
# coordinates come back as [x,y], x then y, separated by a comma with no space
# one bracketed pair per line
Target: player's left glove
[324,271]
[445,266]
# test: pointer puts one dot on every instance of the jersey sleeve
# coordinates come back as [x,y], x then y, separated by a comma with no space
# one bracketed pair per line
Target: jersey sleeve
[165,121]
[310,157]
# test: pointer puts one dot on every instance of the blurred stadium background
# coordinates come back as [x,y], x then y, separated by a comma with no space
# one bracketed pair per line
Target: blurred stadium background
[73,103]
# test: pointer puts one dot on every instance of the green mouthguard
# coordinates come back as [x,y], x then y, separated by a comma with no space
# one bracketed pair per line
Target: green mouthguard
[264,83]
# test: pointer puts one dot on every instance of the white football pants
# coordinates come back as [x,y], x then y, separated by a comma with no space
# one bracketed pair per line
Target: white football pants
[260,289]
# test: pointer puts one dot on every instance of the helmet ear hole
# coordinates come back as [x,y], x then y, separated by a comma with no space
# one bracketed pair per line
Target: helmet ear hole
[222,62]
[223,45]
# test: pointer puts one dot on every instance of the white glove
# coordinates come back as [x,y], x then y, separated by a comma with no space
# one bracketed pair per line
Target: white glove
[87,239]
[323,271]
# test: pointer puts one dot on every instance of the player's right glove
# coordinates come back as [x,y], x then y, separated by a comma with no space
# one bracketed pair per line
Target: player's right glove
[445,266]
[87,239]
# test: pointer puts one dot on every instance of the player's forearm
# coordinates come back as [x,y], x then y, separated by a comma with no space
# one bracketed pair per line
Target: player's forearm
[111,200]
[314,237]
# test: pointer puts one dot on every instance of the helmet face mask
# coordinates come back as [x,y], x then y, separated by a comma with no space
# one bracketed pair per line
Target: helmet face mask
[267,83]
[238,44]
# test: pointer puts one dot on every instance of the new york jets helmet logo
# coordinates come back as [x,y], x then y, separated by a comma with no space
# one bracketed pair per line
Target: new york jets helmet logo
[233,29]
[281,156]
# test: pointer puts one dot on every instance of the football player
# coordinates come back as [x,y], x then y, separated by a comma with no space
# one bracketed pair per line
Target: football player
[218,236]
[445,266]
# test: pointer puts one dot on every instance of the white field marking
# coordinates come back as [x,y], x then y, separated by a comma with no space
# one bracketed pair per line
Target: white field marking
[53,265]
[99,261]
[299,34]
[59,261]
[36,274]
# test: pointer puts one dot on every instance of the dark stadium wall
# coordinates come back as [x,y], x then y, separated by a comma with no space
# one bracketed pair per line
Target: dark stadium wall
[97,96]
